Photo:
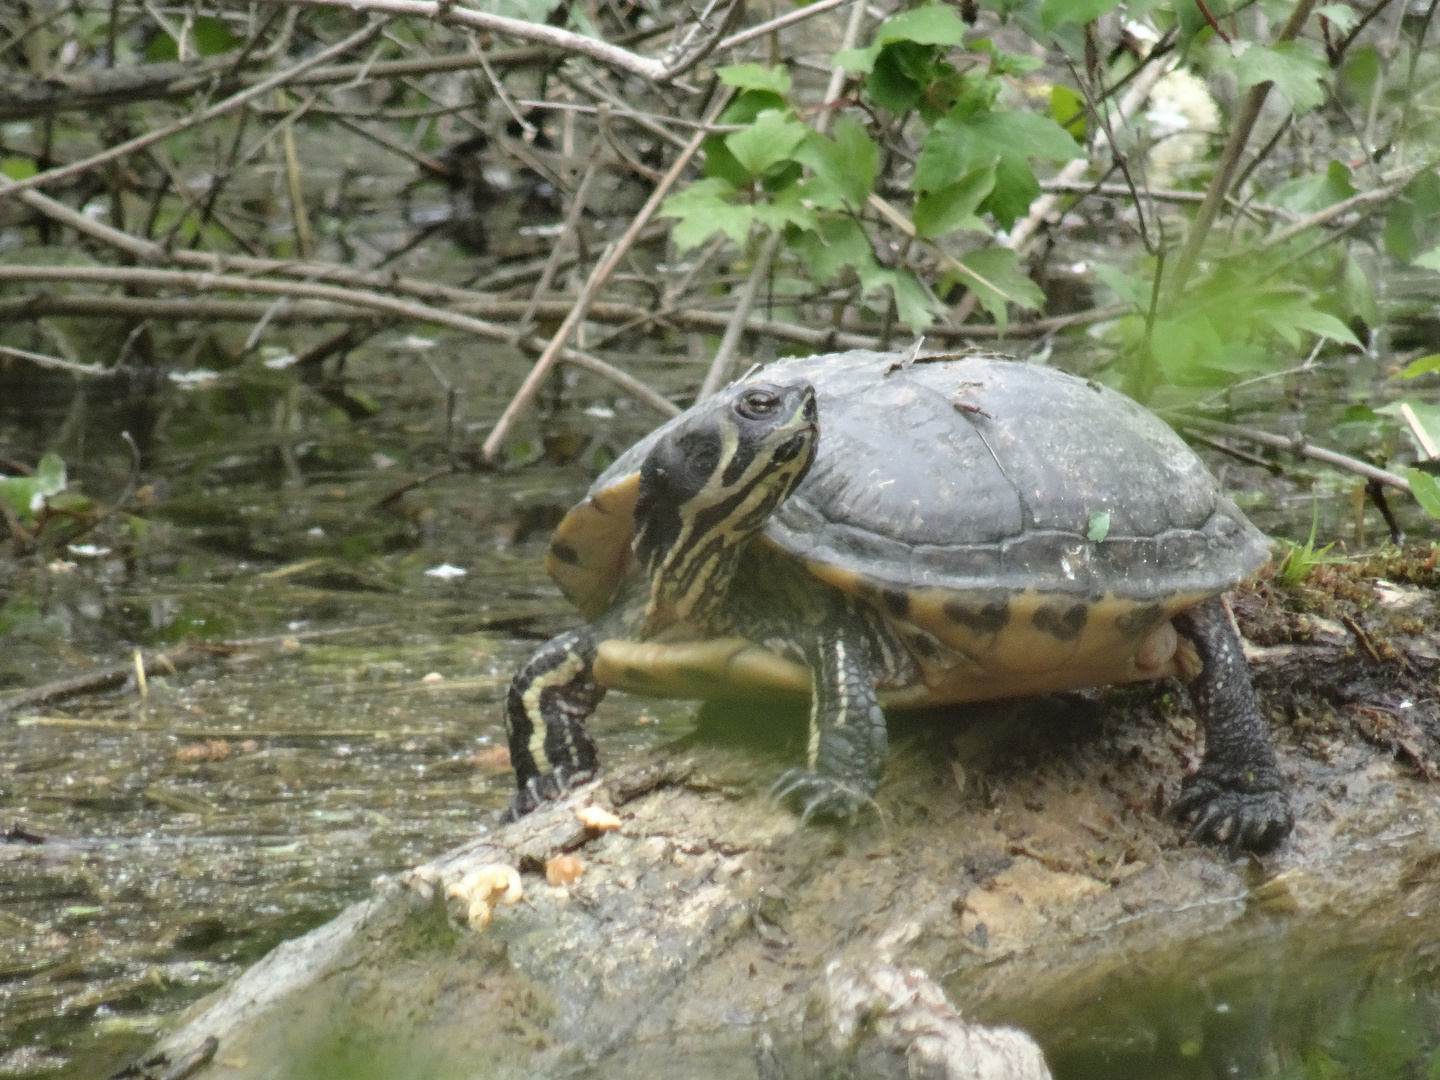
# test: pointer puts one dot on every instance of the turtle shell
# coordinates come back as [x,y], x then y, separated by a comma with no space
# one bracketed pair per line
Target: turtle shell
[958,495]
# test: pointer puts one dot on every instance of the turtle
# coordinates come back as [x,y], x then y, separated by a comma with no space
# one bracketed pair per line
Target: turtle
[880,530]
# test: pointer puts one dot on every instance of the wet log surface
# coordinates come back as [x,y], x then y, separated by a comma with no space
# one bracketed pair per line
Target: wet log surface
[1020,858]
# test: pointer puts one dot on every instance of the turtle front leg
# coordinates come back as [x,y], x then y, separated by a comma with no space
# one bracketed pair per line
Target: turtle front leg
[847,746]
[1236,798]
[550,699]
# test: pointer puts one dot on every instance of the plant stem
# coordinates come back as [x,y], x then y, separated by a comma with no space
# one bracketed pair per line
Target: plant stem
[1240,132]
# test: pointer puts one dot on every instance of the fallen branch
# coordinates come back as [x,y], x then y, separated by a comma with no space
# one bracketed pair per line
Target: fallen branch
[609,312]
[391,305]
[109,676]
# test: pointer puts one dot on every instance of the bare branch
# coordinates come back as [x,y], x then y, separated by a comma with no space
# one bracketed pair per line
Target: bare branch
[719,373]
[597,280]
[1297,445]
[780,22]
[41,360]
[280,78]
[1345,206]
[447,13]
[202,282]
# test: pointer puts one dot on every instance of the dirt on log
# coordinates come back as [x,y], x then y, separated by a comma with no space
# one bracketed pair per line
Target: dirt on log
[1019,859]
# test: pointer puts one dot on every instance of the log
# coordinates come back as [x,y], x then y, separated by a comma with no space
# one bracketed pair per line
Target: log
[1019,865]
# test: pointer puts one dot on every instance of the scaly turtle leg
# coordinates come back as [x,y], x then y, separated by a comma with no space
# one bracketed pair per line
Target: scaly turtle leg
[550,699]
[847,735]
[1237,797]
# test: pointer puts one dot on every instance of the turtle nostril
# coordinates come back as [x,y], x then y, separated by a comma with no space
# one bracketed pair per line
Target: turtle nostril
[810,413]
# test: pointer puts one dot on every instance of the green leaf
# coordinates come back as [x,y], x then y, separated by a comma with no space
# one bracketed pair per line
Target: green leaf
[1425,364]
[1015,190]
[756,77]
[703,210]
[1099,526]
[952,208]
[1341,16]
[769,140]
[784,209]
[890,85]
[959,144]
[1002,62]
[844,167]
[162,49]
[1067,108]
[18,168]
[50,474]
[27,495]
[1191,350]
[1307,194]
[1296,313]
[1430,260]
[1297,69]
[214,36]
[837,241]
[1413,222]
[1058,12]
[995,281]
[912,303]
[1356,293]
[1128,288]
[1426,491]
[935,24]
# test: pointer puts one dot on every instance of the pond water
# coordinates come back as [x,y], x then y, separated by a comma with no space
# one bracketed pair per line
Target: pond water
[159,841]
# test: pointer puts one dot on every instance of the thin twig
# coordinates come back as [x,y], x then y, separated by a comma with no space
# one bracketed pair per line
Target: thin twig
[572,223]
[598,277]
[719,373]
[1024,230]
[280,78]
[1355,202]
[1296,446]
[780,22]
[446,13]
[1240,130]
[41,360]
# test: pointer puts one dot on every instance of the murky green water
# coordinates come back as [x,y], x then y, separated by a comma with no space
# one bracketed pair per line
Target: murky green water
[245,799]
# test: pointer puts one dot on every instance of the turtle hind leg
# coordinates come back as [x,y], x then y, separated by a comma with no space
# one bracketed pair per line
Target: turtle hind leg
[847,736]
[1236,798]
[549,701]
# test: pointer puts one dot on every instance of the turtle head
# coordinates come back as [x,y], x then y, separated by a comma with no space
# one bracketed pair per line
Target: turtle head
[708,486]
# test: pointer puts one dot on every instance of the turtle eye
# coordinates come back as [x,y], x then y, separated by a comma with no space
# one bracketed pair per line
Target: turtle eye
[756,404]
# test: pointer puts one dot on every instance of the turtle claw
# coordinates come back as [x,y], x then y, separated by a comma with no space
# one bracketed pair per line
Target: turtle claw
[1240,821]
[546,787]
[817,796]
